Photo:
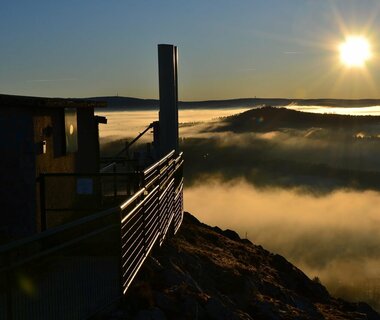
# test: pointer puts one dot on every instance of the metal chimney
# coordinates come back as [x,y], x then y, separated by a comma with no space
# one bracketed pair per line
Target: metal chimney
[168,82]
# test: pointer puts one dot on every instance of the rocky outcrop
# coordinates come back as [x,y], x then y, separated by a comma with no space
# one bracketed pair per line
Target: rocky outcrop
[208,273]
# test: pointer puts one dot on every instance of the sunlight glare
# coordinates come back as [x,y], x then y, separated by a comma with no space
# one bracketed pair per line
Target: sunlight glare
[355,51]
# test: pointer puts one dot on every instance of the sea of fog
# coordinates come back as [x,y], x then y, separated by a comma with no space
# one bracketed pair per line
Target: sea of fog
[130,123]
[335,237]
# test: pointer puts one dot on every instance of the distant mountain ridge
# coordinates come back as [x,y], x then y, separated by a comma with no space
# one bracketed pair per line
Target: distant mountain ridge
[130,103]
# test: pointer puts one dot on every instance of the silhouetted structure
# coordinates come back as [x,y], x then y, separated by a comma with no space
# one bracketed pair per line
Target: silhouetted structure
[168,65]
[99,226]
[41,135]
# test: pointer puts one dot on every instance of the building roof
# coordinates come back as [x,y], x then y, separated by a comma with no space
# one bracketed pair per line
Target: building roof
[39,102]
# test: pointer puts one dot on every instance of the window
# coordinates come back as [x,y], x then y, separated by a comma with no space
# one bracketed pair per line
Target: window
[71,131]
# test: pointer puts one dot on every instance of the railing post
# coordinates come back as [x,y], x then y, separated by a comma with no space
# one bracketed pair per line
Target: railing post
[43,202]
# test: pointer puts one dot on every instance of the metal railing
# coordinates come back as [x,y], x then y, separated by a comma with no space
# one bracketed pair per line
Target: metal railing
[148,215]
[74,270]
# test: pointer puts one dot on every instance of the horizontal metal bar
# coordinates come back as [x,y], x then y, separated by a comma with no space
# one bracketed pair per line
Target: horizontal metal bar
[153,238]
[129,280]
[150,204]
[134,227]
[153,224]
[179,162]
[149,183]
[125,226]
[131,200]
[153,213]
[137,225]
[155,165]
[166,189]
[133,212]
[152,244]
[130,267]
[179,157]
[138,246]
[127,283]
[131,272]
[168,224]
[180,184]
[176,228]
[149,228]
[126,204]
[170,176]
[151,194]
[131,251]
[149,175]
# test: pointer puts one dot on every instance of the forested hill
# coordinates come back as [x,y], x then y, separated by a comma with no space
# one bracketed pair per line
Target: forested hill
[272,118]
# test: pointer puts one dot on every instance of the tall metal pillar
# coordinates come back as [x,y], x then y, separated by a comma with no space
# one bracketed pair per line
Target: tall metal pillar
[168,82]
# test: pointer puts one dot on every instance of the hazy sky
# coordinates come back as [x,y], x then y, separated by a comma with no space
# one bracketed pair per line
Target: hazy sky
[228,48]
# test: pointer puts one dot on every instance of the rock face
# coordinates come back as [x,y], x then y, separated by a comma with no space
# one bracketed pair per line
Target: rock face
[207,273]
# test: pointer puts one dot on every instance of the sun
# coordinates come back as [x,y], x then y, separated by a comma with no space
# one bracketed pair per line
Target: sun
[355,51]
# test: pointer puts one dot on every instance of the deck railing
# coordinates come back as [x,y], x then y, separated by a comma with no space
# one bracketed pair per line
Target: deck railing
[74,270]
[148,215]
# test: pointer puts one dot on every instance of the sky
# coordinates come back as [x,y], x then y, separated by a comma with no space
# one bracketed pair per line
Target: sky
[227,48]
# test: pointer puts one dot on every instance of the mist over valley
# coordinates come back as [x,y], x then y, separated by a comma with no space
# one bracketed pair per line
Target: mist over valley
[304,185]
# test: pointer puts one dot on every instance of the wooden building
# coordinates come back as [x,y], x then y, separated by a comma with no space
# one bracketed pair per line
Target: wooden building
[38,136]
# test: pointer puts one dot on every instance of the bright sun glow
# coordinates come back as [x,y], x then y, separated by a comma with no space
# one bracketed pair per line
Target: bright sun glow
[355,51]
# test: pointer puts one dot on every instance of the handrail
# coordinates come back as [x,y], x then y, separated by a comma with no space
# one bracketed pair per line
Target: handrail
[160,208]
[155,165]
[140,204]
[131,200]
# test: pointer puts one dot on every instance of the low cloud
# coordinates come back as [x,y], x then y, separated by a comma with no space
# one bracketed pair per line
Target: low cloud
[317,160]
[308,193]
[336,237]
